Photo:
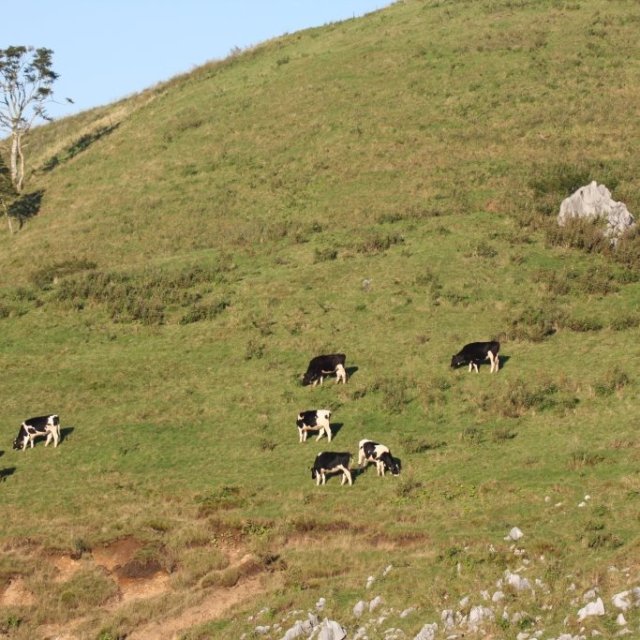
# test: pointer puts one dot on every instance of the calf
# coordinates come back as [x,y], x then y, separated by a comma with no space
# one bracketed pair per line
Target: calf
[331,462]
[476,352]
[314,420]
[369,451]
[33,428]
[323,366]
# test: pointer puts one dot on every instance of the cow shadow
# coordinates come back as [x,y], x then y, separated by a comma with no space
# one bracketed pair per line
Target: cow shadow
[66,432]
[503,360]
[350,371]
[5,473]
[335,428]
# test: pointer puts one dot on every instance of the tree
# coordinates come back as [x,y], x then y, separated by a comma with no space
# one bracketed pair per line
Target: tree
[26,78]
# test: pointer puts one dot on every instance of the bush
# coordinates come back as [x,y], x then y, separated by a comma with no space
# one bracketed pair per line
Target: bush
[325,255]
[377,243]
[519,398]
[536,323]
[144,297]
[43,278]
[615,380]
[204,312]
[395,394]
[578,233]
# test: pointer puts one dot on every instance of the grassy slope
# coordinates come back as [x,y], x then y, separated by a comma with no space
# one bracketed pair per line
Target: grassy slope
[406,141]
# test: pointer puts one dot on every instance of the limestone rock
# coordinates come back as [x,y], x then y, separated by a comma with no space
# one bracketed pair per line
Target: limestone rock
[595,201]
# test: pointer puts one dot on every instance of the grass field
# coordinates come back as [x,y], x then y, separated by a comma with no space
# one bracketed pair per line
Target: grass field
[384,187]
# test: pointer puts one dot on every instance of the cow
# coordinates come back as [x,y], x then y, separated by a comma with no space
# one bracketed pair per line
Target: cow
[370,451]
[321,366]
[331,462]
[39,427]
[314,420]
[476,352]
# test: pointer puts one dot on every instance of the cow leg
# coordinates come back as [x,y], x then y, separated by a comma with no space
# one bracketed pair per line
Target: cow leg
[470,366]
[341,374]
[346,475]
[327,430]
[320,434]
[49,438]
[475,366]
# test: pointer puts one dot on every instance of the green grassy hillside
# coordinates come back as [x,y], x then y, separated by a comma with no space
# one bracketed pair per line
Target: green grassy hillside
[386,187]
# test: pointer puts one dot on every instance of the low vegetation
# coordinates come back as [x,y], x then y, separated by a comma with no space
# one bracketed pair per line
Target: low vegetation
[384,187]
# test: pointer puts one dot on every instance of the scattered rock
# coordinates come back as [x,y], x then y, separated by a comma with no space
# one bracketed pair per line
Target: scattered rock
[359,608]
[479,615]
[515,534]
[595,608]
[331,630]
[376,602]
[428,632]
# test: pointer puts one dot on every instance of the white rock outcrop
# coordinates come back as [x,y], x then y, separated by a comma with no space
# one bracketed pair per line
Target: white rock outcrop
[331,630]
[594,201]
[595,608]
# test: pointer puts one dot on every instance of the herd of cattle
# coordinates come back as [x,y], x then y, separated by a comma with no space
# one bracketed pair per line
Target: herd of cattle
[318,420]
[313,420]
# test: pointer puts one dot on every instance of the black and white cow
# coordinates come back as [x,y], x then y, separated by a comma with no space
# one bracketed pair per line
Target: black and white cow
[476,352]
[314,420]
[370,451]
[331,462]
[39,427]
[321,366]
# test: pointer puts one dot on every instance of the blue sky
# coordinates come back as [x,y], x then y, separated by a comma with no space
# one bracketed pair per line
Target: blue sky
[105,50]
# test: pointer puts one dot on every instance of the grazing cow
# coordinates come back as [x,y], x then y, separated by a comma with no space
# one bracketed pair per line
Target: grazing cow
[314,420]
[331,462]
[476,352]
[41,426]
[323,366]
[369,451]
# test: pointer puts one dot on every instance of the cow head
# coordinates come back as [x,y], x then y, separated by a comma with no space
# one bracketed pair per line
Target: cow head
[390,463]
[457,360]
[310,377]
[21,439]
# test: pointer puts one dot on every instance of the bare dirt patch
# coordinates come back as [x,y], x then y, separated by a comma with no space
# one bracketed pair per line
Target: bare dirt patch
[214,606]
[145,579]
[149,587]
[116,554]
[65,566]
[16,594]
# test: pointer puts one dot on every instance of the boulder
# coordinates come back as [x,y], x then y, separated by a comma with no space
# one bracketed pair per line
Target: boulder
[594,201]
